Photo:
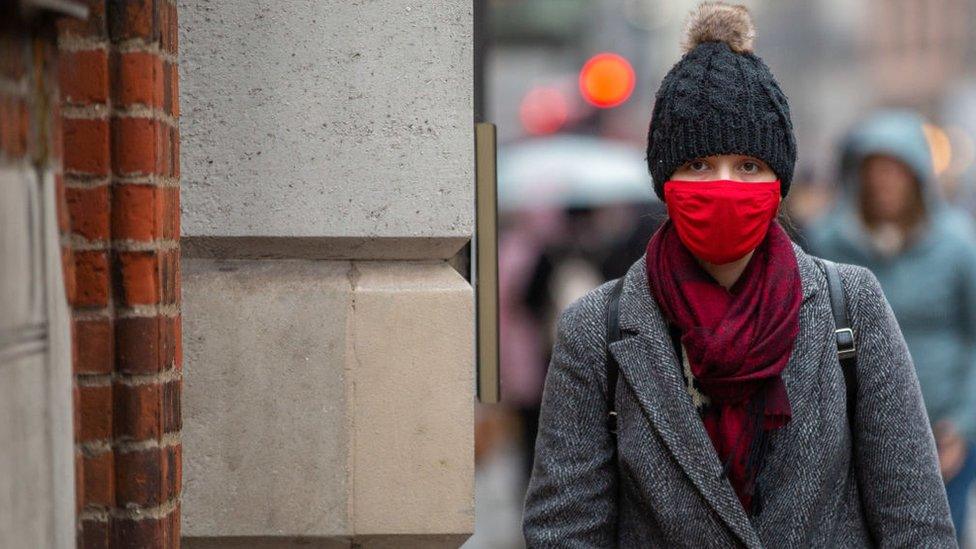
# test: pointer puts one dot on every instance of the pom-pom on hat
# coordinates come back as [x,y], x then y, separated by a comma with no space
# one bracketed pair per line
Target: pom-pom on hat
[718,22]
[719,98]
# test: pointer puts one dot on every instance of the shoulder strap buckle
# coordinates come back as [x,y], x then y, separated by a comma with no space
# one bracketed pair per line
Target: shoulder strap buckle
[843,332]
[845,343]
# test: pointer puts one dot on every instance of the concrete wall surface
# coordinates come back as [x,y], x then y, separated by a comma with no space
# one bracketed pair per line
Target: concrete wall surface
[343,124]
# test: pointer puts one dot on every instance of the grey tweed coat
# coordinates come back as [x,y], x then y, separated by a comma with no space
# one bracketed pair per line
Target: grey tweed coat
[666,489]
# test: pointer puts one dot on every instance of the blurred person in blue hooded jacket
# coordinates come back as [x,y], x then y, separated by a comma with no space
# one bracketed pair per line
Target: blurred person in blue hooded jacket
[891,218]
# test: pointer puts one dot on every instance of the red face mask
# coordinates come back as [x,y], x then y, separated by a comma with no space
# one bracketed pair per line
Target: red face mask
[721,221]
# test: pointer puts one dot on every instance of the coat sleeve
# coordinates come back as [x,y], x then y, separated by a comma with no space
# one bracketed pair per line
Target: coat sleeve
[571,497]
[898,473]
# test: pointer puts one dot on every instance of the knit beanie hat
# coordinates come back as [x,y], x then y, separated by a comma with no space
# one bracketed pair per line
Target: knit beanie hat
[719,98]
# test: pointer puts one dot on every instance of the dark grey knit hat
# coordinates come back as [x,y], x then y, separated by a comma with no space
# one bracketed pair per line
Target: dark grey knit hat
[720,98]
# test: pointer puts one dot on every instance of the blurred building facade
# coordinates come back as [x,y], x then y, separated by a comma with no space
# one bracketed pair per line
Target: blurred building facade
[835,59]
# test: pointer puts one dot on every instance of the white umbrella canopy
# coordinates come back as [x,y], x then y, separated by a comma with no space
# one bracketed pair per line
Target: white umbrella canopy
[571,171]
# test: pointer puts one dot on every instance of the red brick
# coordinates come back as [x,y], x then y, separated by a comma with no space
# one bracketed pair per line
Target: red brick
[14,119]
[169,276]
[96,346]
[91,278]
[72,333]
[68,271]
[129,533]
[96,412]
[140,277]
[23,130]
[95,534]
[83,76]
[64,219]
[170,215]
[140,477]
[174,469]
[173,45]
[134,19]
[76,410]
[172,420]
[79,481]
[138,411]
[175,149]
[56,134]
[171,89]
[162,25]
[8,121]
[164,163]
[168,337]
[139,79]
[178,342]
[89,210]
[99,484]
[145,345]
[135,146]
[86,146]
[174,528]
[136,212]
[93,25]
[13,126]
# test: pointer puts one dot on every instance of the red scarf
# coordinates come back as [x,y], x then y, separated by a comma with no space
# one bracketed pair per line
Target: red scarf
[738,341]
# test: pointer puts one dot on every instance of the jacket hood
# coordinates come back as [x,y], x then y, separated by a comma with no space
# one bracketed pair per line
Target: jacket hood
[899,134]
[894,133]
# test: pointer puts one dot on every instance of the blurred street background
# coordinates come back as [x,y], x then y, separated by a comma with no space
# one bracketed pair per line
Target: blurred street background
[570,85]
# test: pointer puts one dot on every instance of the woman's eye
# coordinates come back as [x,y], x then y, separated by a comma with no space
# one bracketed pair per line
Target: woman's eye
[698,165]
[750,167]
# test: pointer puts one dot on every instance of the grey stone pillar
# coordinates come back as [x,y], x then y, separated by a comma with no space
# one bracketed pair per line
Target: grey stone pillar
[329,355]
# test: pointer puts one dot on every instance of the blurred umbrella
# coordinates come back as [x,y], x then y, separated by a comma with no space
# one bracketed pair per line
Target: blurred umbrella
[571,171]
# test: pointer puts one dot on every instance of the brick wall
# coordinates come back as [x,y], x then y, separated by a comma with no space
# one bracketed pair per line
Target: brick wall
[119,105]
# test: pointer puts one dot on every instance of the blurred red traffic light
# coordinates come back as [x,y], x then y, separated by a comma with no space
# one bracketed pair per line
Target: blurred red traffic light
[606,80]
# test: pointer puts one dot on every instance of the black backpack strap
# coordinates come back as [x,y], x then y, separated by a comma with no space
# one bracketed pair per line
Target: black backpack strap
[613,334]
[846,351]
[844,334]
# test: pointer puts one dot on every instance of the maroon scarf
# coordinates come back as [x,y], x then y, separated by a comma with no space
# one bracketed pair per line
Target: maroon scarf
[738,341]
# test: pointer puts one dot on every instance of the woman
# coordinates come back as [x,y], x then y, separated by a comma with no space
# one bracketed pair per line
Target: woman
[744,439]
[893,220]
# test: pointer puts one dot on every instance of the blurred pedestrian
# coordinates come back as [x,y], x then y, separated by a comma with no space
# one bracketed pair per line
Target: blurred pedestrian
[892,219]
[731,427]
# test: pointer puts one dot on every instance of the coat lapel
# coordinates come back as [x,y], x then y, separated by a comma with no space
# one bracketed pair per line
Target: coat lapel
[649,365]
[790,461]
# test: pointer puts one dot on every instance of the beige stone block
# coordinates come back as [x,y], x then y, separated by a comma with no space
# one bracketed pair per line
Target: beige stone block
[327,399]
[265,430]
[412,351]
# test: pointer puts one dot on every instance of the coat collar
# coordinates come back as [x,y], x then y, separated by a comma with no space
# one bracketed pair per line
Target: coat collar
[649,365]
